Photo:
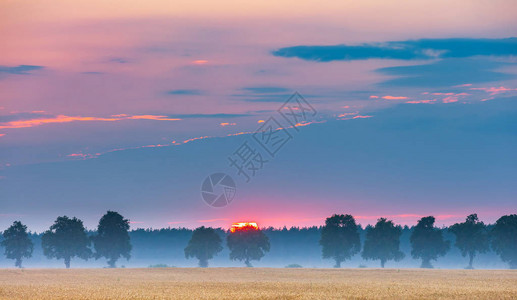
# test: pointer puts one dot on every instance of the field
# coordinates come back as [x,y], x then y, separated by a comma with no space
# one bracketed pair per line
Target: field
[256,283]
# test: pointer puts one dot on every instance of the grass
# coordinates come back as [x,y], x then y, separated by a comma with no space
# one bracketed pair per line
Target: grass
[256,283]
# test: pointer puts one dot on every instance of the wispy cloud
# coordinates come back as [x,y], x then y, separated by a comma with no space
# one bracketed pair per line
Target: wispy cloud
[118,60]
[20,70]
[264,94]
[211,116]
[66,119]
[494,90]
[404,50]
[266,89]
[394,97]
[184,92]
[421,101]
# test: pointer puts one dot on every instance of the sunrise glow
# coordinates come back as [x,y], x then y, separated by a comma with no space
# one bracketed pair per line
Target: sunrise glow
[243,225]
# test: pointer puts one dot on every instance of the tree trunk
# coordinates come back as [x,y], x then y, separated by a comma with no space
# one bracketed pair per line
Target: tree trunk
[203,262]
[112,262]
[426,263]
[67,262]
[383,261]
[18,263]
[471,260]
[338,264]
[247,262]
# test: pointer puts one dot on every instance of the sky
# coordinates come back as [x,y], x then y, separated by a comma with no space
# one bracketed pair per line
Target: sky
[129,106]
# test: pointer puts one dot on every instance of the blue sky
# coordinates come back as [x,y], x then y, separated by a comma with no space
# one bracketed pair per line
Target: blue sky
[130,108]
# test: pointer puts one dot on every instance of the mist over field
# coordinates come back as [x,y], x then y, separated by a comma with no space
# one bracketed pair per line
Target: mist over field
[288,246]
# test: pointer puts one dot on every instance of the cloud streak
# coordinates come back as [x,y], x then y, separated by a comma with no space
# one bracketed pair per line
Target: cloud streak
[20,70]
[67,119]
[404,50]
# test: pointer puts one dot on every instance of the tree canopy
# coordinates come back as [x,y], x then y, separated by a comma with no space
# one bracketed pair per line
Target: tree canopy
[112,240]
[383,242]
[504,239]
[204,244]
[340,238]
[427,242]
[66,239]
[247,243]
[17,243]
[471,237]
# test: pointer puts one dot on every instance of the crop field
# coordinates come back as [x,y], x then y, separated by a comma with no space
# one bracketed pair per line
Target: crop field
[256,283]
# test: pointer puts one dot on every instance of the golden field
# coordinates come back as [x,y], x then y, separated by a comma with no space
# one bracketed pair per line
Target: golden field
[256,283]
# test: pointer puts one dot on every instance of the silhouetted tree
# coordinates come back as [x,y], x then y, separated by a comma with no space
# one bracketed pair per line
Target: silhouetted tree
[247,243]
[204,244]
[66,239]
[340,238]
[427,242]
[383,242]
[504,239]
[471,237]
[17,243]
[112,239]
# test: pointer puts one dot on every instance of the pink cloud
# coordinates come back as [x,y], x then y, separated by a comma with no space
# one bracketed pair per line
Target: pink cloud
[374,97]
[421,101]
[227,124]
[67,119]
[361,117]
[450,99]
[196,138]
[304,123]
[443,94]
[394,97]
[82,155]
[2,134]
[200,62]
[494,90]
[346,114]
[152,117]
[464,85]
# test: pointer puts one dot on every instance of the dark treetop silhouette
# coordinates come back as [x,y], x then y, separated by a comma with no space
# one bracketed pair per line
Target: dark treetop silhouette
[247,243]
[112,239]
[427,242]
[471,237]
[340,238]
[17,243]
[204,244]
[66,239]
[383,242]
[504,239]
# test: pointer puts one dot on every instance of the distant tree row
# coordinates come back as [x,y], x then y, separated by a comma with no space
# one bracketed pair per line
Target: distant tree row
[340,240]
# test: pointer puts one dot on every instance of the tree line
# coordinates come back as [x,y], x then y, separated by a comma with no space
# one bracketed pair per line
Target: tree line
[339,240]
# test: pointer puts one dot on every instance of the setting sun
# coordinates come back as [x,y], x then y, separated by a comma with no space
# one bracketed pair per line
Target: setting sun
[242,225]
